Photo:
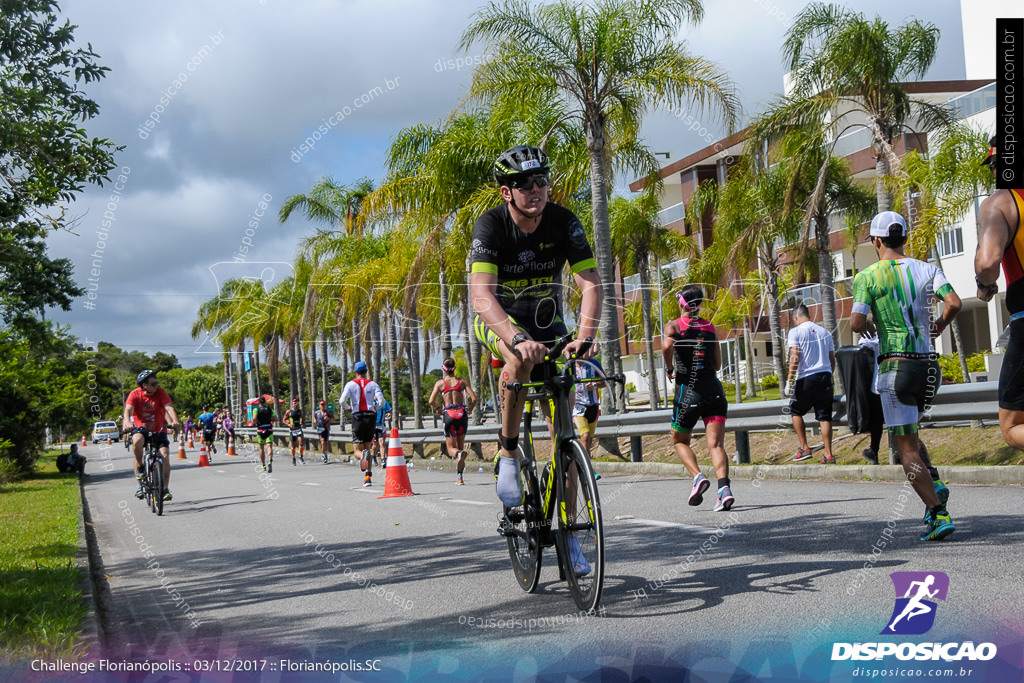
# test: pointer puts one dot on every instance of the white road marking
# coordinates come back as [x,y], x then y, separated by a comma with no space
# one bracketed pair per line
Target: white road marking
[676,525]
[464,502]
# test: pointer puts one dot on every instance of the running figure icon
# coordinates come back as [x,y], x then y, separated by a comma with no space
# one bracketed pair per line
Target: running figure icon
[915,607]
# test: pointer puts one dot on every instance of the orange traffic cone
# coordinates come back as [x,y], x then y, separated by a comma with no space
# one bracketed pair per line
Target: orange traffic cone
[108,440]
[231,445]
[83,440]
[204,459]
[396,482]
[190,444]
[181,448]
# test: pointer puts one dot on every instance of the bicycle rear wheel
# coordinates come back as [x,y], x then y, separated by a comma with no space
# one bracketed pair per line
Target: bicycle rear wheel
[580,518]
[522,530]
[158,486]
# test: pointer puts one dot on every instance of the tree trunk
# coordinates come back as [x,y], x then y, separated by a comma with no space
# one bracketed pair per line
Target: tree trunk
[775,323]
[748,347]
[376,343]
[446,323]
[645,296]
[826,278]
[241,374]
[256,366]
[392,350]
[882,195]
[323,363]
[312,373]
[609,326]
[293,382]
[300,370]
[273,362]
[414,368]
[954,329]
[228,394]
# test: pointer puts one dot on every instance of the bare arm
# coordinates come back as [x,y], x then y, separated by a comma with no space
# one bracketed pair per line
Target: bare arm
[671,329]
[794,363]
[952,307]
[433,394]
[469,392]
[992,241]
[832,360]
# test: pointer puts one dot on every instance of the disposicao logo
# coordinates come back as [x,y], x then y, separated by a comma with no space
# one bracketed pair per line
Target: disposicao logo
[916,593]
[914,614]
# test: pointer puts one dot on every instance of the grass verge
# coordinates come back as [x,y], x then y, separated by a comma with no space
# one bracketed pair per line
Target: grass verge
[41,606]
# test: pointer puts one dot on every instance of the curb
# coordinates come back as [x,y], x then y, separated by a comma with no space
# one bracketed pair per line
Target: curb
[91,631]
[972,474]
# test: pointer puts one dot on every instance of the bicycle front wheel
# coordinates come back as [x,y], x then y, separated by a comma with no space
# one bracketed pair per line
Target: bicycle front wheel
[523,529]
[147,479]
[581,529]
[157,477]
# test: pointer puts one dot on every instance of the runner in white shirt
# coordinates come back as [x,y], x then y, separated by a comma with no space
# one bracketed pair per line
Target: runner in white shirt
[812,360]
[362,398]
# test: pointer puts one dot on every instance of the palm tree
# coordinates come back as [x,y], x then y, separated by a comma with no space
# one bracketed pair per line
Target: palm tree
[637,235]
[331,203]
[842,62]
[604,66]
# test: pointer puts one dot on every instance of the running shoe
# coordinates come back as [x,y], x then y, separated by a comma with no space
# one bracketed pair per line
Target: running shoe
[939,526]
[597,475]
[870,455]
[802,454]
[214,448]
[302,460]
[270,467]
[700,485]
[725,499]
[458,481]
[140,492]
[580,566]
[325,457]
[942,491]
[828,461]
[366,481]
[167,495]
[293,461]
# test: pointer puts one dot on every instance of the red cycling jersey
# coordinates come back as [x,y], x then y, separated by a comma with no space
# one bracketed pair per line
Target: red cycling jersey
[148,411]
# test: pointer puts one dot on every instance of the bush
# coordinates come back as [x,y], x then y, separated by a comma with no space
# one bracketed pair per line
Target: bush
[950,365]
[770,382]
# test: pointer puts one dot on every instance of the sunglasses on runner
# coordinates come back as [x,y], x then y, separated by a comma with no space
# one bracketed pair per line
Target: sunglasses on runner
[528,183]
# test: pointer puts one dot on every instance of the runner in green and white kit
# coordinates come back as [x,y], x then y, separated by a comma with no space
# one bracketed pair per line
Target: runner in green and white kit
[900,292]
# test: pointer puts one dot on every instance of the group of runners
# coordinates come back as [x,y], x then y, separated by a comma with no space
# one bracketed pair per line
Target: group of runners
[519,250]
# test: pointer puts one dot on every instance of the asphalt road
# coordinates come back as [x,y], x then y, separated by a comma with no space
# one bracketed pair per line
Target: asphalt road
[309,566]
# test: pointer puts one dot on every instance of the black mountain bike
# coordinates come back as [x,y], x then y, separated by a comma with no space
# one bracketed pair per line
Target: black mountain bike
[566,484]
[153,484]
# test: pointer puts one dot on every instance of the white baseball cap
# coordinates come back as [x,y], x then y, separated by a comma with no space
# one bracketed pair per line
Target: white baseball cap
[881,223]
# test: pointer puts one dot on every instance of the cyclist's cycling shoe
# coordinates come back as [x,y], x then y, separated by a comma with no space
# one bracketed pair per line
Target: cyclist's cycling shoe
[939,526]
[700,485]
[509,487]
[167,495]
[580,566]
[725,499]
[140,492]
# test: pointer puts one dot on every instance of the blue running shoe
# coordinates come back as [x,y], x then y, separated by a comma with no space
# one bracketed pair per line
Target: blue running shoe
[939,526]
[700,485]
[942,491]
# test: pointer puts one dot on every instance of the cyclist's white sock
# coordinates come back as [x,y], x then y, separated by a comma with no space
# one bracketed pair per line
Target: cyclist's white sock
[510,490]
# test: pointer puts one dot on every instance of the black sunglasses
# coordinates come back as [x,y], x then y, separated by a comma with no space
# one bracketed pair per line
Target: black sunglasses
[528,182]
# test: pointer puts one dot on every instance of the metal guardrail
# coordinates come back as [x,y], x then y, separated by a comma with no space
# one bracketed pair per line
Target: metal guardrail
[954,402]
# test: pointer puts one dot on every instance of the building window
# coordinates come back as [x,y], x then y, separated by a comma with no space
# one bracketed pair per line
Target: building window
[950,242]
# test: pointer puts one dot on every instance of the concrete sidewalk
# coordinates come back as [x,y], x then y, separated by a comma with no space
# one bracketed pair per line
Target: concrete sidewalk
[991,474]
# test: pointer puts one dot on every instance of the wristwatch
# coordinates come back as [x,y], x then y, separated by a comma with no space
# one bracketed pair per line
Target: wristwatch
[981,286]
[518,339]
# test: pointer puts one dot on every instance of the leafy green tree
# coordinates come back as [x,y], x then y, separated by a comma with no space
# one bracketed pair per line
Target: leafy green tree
[604,65]
[199,387]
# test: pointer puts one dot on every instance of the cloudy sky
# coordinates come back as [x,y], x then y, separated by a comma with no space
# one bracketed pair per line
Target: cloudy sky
[260,76]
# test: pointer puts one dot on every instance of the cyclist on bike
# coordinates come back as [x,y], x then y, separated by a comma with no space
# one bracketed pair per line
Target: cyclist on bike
[518,252]
[898,291]
[454,412]
[323,419]
[293,418]
[362,398]
[264,421]
[207,421]
[693,357]
[1001,241]
[147,410]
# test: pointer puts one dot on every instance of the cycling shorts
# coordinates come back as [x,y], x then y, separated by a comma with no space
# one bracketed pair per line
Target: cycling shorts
[456,420]
[209,434]
[296,435]
[547,334]
[1011,375]
[586,417]
[814,391]
[363,425]
[158,439]
[907,388]
[378,432]
[265,436]
[706,401]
